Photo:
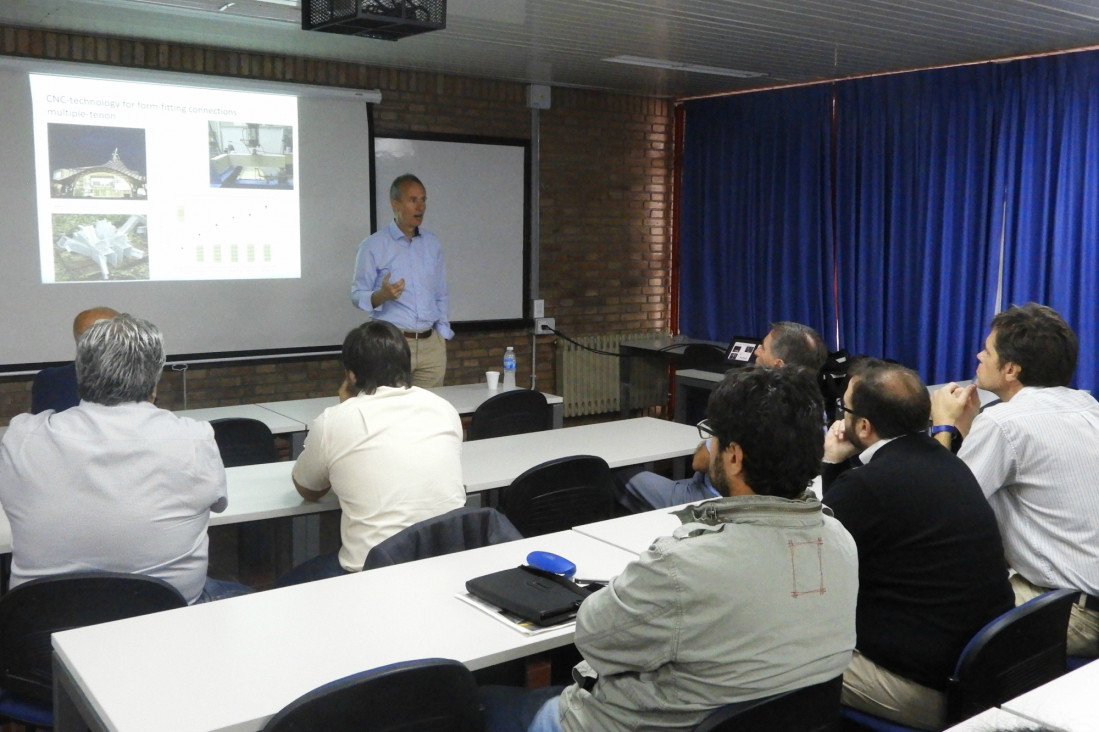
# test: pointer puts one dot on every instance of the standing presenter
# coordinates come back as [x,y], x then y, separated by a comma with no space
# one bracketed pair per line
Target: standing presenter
[400,277]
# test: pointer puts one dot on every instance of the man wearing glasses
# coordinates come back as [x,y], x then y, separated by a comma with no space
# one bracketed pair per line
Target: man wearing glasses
[752,596]
[787,344]
[931,565]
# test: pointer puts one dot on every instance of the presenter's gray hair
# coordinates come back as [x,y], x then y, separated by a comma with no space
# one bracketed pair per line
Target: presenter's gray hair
[119,360]
[399,182]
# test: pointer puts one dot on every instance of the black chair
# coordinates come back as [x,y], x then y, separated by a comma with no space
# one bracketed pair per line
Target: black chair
[704,357]
[1018,651]
[244,441]
[513,412]
[560,494]
[430,695]
[32,611]
[1074,662]
[454,531]
[808,709]
[832,379]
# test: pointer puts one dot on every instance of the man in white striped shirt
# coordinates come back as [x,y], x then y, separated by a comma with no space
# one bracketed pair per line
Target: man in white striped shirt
[1036,456]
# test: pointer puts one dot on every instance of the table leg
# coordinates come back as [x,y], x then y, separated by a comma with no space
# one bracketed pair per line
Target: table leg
[558,412]
[305,538]
[71,710]
[297,443]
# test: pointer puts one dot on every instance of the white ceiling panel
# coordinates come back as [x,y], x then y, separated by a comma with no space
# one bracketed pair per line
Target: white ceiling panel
[565,42]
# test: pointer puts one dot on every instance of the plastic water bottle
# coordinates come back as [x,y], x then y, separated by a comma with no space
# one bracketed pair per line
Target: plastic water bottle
[509,368]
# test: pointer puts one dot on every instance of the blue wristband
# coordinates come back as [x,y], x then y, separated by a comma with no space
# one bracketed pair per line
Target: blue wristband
[945,428]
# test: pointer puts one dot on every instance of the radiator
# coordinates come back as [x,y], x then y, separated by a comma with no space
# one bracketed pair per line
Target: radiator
[588,382]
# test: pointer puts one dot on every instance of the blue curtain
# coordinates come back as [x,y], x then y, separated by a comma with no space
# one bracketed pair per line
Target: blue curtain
[756,228]
[920,204]
[1049,175]
[914,187]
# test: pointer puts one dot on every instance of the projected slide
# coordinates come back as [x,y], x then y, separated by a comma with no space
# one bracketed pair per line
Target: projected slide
[143,181]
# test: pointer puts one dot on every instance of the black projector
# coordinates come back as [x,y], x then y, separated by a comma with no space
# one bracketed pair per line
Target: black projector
[388,20]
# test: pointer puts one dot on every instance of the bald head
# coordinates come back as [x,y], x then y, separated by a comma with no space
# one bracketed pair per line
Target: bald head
[893,398]
[90,317]
[792,344]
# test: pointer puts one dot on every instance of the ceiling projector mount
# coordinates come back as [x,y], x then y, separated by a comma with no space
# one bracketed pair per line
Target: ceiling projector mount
[388,20]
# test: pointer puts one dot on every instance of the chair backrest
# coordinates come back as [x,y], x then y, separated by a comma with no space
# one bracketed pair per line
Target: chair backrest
[430,695]
[560,494]
[244,441]
[454,531]
[808,709]
[512,412]
[1018,651]
[32,611]
[704,357]
[832,379]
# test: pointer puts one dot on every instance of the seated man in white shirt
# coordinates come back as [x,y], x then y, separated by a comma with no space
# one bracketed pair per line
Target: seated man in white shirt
[391,452]
[114,483]
[1036,456]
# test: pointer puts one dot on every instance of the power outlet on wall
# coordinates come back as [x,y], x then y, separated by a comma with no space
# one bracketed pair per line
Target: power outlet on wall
[544,326]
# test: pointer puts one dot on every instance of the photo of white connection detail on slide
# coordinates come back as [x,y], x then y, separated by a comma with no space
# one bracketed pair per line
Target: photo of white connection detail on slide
[141,181]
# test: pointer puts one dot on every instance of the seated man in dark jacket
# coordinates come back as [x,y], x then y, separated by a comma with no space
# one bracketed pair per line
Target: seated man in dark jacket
[931,564]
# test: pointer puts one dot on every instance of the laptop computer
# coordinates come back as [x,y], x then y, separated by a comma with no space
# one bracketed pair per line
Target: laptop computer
[740,350]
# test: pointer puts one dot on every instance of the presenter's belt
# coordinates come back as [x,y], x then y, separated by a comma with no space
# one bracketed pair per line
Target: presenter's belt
[417,334]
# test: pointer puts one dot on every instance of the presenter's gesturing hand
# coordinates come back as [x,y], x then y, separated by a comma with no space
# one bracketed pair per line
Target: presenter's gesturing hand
[388,291]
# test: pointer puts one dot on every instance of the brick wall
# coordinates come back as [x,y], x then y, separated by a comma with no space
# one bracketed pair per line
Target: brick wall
[606,163]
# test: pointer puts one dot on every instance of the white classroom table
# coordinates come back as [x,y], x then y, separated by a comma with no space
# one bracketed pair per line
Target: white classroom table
[232,664]
[265,491]
[256,492]
[992,719]
[496,462]
[279,424]
[464,397]
[1068,703]
[984,397]
[636,532]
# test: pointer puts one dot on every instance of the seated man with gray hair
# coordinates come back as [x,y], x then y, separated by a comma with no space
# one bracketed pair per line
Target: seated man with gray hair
[786,344]
[114,483]
[54,387]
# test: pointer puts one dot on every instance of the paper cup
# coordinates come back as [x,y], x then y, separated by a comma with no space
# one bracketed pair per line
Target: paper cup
[493,379]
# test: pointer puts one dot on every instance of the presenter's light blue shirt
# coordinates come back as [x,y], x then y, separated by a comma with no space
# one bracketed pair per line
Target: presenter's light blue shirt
[419,262]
